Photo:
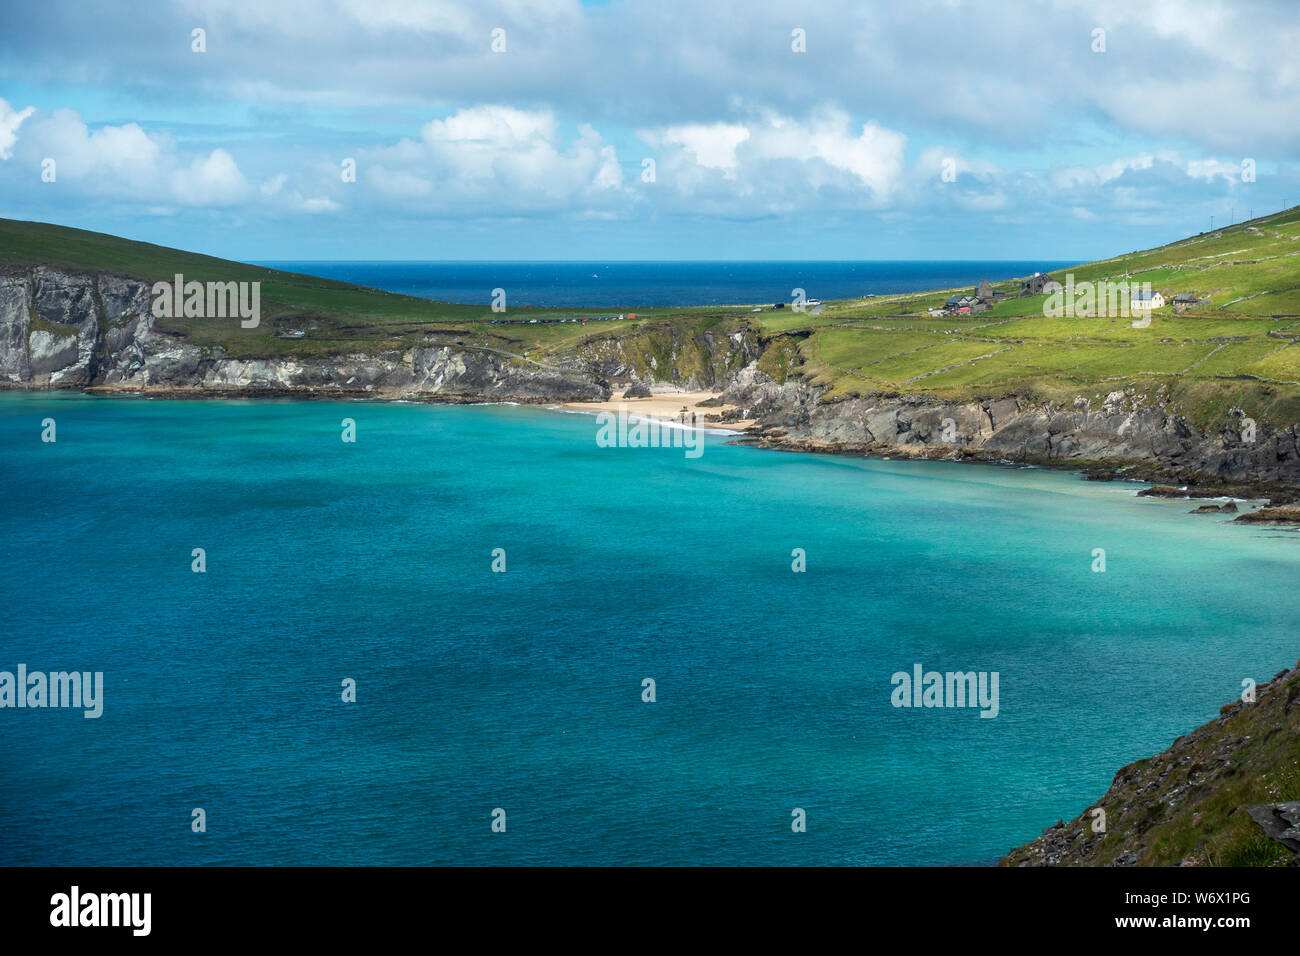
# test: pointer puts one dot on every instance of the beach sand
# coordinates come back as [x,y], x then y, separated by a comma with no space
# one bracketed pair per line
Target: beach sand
[665,407]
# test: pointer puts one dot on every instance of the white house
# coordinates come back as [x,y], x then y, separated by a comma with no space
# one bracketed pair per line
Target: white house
[1142,301]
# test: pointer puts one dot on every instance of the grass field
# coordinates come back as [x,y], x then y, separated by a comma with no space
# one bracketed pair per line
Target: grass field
[1236,345]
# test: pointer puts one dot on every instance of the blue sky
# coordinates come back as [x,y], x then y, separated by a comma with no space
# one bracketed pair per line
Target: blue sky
[924,129]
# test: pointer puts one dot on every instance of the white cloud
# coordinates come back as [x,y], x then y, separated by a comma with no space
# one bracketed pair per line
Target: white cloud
[772,162]
[713,145]
[491,127]
[424,16]
[1210,168]
[213,180]
[1168,161]
[273,185]
[1220,74]
[874,156]
[10,120]
[128,163]
[495,160]
[932,162]
[319,204]
[502,162]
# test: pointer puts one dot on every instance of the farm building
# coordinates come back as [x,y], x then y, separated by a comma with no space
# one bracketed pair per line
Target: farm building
[1036,284]
[1141,301]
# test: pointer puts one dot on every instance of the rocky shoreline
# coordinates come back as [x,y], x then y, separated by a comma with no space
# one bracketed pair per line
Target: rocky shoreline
[95,332]
[1130,436]
[1129,432]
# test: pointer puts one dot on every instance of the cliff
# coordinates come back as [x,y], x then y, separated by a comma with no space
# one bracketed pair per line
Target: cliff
[1208,397]
[1132,431]
[65,329]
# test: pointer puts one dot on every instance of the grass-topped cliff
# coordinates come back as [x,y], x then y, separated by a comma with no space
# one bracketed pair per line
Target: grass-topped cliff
[338,317]
[1237,349]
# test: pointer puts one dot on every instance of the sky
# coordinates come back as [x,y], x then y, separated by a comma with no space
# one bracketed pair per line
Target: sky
[703,129]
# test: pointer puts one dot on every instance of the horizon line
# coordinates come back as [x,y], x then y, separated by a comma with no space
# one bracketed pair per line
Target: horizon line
[261,261]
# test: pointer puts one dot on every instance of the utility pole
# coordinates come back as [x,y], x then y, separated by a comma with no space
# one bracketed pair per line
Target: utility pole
[1211,224]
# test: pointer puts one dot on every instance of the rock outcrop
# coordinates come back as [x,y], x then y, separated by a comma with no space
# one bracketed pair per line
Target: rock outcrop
[96,330]
[1280,822]
[1285,515]
[1128,427]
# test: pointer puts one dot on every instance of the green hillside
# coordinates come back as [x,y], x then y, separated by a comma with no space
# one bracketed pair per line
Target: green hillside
[1236,348]
[337,316]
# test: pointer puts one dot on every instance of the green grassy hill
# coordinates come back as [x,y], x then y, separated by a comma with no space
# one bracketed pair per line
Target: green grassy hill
[341,317]
[1237,348]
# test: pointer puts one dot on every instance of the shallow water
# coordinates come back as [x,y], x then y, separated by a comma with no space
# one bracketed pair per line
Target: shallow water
[522,691]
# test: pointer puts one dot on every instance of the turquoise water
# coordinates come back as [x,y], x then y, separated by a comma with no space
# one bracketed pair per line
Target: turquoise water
[478,690]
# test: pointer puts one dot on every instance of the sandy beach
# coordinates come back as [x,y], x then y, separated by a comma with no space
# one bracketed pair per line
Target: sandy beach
[665,407]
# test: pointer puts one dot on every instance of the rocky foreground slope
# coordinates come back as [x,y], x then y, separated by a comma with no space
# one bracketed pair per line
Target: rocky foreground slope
[68,329]
[1226,794]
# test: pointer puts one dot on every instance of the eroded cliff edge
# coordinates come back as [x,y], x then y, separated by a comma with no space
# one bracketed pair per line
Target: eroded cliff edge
[64,329]
[1131,431]
[82,330]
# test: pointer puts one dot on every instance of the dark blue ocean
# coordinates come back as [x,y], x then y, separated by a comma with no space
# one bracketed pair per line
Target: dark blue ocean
[630,284]
[522,690]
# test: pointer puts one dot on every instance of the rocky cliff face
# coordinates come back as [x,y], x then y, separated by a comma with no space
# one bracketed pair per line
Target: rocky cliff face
[61,330]
[669,355]
[1129,426]
[71,330]
[67,330]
